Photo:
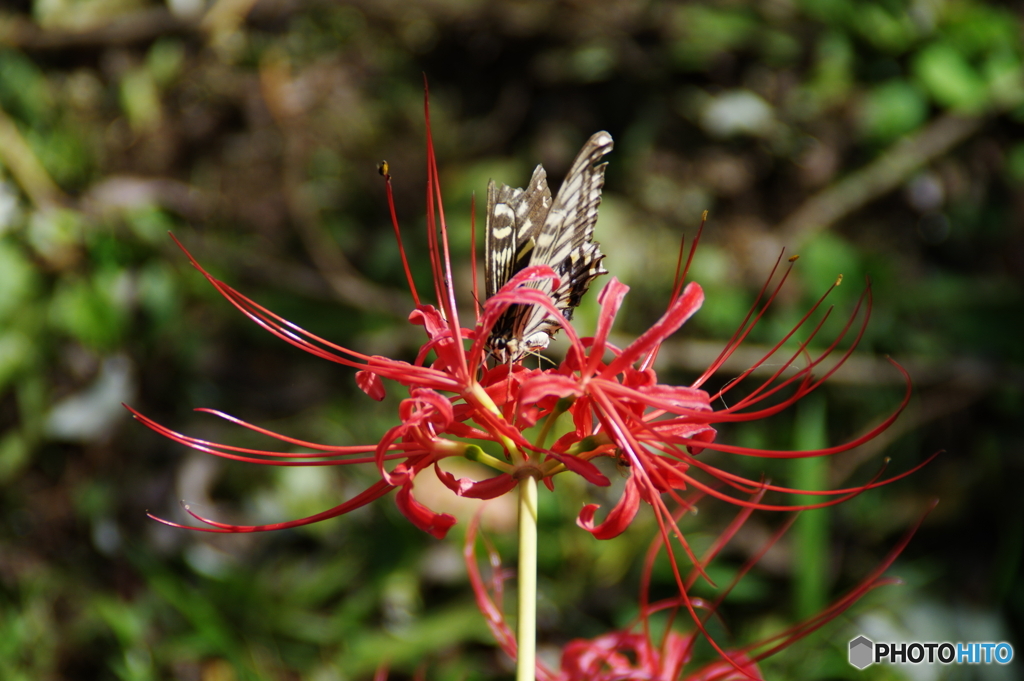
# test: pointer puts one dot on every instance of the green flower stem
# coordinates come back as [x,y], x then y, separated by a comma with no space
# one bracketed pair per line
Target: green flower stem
[474,453]
[487,403]
[526,661]
[561,407]
[811,530]
[589,444]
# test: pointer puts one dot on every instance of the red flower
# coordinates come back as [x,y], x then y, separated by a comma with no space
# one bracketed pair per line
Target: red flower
[618,407]
[635,652]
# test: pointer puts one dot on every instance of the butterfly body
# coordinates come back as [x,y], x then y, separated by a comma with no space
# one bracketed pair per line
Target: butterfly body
[528,227]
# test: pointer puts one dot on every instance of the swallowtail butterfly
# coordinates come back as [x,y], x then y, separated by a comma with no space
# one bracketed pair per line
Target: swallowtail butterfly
[525,227]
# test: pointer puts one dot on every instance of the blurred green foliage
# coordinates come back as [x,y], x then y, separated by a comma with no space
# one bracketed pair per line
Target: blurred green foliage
[878,139]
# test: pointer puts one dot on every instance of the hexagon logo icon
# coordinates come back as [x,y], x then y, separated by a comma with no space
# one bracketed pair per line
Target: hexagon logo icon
[861,652]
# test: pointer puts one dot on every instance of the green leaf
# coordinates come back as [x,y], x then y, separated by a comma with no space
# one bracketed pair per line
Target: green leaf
[709,31]
[1004,73]
[831,77]
[158,292]
[16,354]
[892,33]
[63,152]
[14,454]
[949,79]
[1015,162]
[976,29]
[892,110]
[24,91]
[17,279]
[91,311]
[140,99]
[56,234]
[165,60]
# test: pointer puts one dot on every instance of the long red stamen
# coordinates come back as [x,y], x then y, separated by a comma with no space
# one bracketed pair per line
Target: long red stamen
[273,323]
[746,325]
[677,283]
[472,255]
[808,384]
[398,235]
[329,457]
[825,353]
[748,487]
[869,583]
[443,268]
[372,493]
[619,432]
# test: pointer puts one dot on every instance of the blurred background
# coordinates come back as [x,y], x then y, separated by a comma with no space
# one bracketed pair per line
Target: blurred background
[876,138]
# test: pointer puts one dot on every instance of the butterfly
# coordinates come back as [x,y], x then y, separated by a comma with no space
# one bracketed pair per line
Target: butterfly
[526,227]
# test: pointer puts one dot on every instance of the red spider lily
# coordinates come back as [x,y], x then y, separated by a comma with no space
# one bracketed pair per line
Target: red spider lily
[457,406]
[636,652]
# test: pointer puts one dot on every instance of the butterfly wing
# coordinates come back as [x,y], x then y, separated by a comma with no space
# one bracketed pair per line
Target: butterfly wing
[525,227]
[514,219]
[566,243]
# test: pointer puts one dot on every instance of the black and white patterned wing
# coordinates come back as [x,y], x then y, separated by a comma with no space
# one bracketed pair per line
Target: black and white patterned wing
[514,219]
[566,243]
[525,227]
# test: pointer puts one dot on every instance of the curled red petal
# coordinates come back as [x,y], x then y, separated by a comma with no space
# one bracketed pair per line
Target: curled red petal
[434,524]
[616,655]
[666,474]
[681,309]
[489,488]
[583,416]
[472,489]
[533,273]
[684,429]
[518,292]
[426,406]
[581,467]
[679,396]
[610,299]
[707,435]
[464,430]
[547,384]
[639,378]
[430,319]
[618,518]
[515,291]
[380,455]
[370,384]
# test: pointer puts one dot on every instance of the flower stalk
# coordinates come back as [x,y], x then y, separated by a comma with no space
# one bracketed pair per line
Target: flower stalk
[526,660]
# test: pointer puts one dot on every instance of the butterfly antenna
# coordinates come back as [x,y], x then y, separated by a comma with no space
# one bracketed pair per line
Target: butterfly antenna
[541,358]
[545,358]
